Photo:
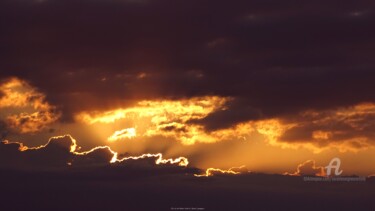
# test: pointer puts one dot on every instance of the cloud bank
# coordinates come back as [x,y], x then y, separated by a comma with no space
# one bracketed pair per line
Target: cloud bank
[63,152]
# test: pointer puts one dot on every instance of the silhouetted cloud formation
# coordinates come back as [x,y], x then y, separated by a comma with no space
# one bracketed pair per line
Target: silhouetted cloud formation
[308,168]
[167,83]
[63,152]
[56,153]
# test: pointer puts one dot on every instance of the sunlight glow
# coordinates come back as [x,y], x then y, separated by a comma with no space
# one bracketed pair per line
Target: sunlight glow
[181,161]
[170,119]
[212,171]
[159,111]
[122,134]
[115,154]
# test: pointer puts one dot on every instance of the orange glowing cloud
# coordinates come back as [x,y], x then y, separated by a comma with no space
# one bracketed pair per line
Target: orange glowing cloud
[170,119]
[272,129]
[14,93]
[158,111]
[26,108]
[31,122]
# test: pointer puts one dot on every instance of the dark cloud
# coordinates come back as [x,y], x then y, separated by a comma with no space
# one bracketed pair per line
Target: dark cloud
[280,57]
[352,126]
[56,153]
[99,156]
[4,130]
[174,128]
[236,111]
[62,152]
[9,155]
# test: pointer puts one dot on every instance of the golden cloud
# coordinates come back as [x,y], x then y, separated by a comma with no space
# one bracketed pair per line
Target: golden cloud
[27,110]
[168,119]
[158,111]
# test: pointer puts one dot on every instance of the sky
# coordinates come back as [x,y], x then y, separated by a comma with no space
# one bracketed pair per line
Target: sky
[267,86]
